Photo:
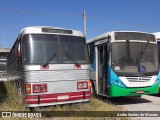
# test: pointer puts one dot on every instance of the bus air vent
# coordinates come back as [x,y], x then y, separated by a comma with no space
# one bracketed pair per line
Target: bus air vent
[138,79]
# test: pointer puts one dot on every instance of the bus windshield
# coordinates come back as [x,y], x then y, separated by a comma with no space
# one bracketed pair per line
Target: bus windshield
[134,59]
[48,49]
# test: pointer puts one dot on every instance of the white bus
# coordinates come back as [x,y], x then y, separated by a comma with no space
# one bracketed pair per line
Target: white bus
[50,66]
[157,35]
[124,63]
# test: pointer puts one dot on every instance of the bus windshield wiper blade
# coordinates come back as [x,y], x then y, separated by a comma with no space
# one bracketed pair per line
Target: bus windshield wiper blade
[76,63]
[128,47]
[144,50]
[141,54]
[53,56]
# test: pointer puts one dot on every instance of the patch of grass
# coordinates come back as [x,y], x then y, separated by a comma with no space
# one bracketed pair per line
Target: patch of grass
[3,91]
[95,105]
[11,102]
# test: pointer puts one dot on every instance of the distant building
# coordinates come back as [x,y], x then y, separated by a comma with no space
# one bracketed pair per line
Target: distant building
[4,52]
[3,60]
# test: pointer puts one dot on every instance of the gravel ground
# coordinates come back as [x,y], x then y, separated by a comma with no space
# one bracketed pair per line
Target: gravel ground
[144,103]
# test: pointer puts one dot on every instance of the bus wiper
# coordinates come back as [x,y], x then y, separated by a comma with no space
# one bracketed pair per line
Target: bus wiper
[76,63]
[140,56]
[127,45]
[144,49]
[139,59]
[53,56]
[128,58]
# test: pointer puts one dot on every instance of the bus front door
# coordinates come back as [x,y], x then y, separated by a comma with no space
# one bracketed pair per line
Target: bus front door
[102,69]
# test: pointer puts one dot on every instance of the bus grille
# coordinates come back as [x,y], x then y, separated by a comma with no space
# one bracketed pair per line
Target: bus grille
[138,79]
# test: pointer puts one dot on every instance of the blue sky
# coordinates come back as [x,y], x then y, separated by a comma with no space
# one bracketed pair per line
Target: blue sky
[102,16]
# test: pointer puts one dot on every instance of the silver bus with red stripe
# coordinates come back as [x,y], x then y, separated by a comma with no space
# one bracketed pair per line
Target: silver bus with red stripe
[49,66]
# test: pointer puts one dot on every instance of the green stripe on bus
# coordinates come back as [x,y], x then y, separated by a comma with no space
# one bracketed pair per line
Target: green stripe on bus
[115,91]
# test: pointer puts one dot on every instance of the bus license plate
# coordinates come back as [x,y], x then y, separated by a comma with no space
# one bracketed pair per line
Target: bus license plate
[139,91]
[63,97]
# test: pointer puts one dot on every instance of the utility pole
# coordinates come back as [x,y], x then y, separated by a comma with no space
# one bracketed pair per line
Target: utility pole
[3,38]
[84,20]
[3,30]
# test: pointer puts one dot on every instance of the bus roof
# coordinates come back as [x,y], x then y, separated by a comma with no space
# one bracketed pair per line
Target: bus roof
[50,30]
[105,35]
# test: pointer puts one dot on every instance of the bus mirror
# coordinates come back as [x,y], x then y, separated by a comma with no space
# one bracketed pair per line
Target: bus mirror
[19,53]
[19,50]
[109,47]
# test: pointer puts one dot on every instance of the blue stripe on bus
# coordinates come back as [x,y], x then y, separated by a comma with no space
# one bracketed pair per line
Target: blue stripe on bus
[114,79]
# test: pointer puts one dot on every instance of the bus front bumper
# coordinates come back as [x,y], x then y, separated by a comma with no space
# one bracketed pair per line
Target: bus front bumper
[55,99]
[116,91]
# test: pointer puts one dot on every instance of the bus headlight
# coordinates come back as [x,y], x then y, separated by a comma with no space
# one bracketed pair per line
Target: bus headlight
[44,88]
[156,81]
[36,89]
[116,82]
[79,85]
[119,83]
[39,88]
[82,85]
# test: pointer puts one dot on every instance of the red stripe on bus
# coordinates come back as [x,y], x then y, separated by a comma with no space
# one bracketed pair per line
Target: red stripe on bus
[61,94]
[158,39]
[71,96]
[88,92]
[56,100]
[31,97]
[56,95]
[32,102]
